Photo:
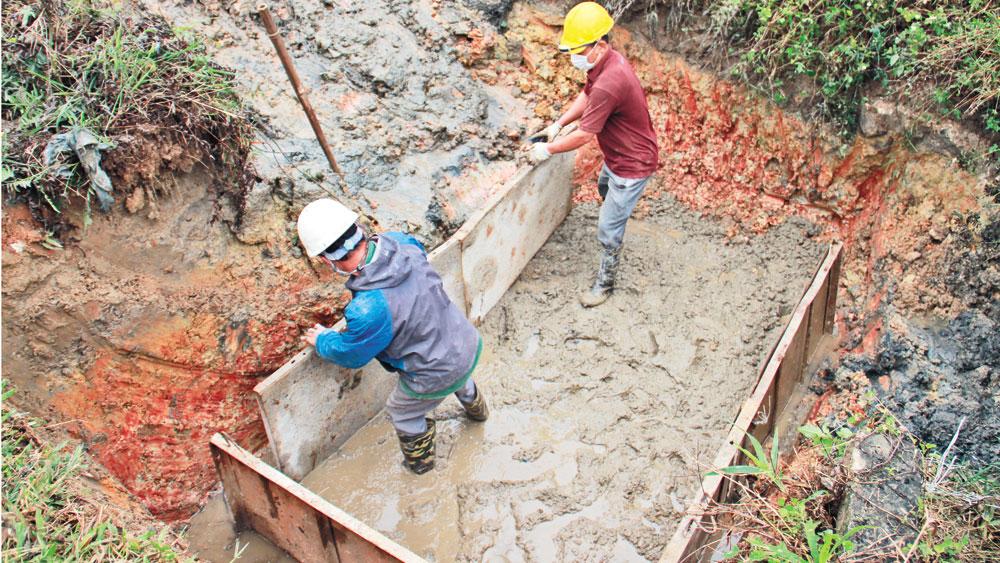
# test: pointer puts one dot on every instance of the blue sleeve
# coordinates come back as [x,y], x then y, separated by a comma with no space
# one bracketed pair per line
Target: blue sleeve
[369,331]
[403,238]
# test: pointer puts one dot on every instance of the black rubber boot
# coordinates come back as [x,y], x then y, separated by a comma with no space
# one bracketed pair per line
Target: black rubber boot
[476,410]
[418,450]
[605,282]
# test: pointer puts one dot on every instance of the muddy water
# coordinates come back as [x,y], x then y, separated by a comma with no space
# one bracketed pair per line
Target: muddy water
[603,420]
[211,537]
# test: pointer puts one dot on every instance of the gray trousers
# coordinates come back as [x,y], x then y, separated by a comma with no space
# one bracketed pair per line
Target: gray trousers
[620,196]
[407,413]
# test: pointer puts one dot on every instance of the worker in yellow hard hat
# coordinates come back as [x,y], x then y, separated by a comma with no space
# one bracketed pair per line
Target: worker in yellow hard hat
[611,107]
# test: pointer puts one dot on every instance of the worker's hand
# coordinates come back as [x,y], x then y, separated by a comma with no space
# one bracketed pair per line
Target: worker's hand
[310,336]
[539,153]
[547,134]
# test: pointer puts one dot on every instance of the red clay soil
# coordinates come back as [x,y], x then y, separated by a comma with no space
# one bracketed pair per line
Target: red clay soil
[146,336]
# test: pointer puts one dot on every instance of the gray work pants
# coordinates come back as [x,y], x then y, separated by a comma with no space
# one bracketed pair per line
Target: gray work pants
[620,196]
[407,413]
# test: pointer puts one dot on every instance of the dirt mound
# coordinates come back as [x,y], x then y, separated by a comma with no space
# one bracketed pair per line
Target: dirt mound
[934,375]
[148,94]
[422,142]
[147,336]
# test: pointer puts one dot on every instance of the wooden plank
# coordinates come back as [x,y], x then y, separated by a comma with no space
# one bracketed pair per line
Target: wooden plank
[305,525]
[447,261]
[500,240]
[790,372]
[831,299]
[288,525]
[817,319]
[310,406]
[757,412]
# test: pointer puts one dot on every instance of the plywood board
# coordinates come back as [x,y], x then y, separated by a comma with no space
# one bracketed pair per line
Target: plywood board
[500,241]
[295,519]
[447,261]
[310,406]
[817,317]
[790,372]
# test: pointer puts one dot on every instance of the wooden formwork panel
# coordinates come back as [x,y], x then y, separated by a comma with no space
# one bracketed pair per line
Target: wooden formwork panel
[500,240]
[759,413]
[309,528]
[817,317]
[310,406]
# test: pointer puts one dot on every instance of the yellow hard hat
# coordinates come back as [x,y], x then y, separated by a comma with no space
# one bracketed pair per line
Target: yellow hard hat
[586,23]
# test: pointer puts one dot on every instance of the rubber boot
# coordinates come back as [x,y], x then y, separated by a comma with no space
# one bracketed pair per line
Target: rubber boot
[605,282]
[477,410]
[418,449]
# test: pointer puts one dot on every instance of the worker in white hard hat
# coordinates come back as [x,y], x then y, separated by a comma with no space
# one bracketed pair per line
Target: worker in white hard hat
[611,107]
[399,315]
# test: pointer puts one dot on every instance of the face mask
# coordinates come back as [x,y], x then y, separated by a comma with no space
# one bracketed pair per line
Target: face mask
[581,62]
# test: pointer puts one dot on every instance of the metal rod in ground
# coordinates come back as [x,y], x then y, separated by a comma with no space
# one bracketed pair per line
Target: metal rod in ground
[293,76]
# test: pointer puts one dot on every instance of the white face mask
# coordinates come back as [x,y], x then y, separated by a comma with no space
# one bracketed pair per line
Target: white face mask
[581,62]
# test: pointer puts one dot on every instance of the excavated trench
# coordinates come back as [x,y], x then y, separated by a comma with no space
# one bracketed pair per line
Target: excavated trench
[132,336]
[603,420]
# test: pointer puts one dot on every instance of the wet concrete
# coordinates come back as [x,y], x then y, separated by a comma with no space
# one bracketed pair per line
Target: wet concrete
[603,420]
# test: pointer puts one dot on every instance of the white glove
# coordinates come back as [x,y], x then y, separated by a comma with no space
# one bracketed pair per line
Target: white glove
[539,153]
[549,133]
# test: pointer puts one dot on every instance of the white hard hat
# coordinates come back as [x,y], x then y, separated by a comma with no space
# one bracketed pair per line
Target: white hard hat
[322,222]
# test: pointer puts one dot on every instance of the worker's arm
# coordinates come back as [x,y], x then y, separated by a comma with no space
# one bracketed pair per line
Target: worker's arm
[570,142]
[574,112]
[369,331]
[548,134]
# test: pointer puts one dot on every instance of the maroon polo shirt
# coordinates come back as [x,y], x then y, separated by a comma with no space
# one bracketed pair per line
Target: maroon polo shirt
[617,113]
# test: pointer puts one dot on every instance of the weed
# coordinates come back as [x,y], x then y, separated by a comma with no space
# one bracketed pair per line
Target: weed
[939,55]
[823,547]
[833,443]
[137,84]
[762,464]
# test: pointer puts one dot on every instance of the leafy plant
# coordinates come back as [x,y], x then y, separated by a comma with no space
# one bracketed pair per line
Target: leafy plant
[833,443]
[940,54]
[823,547]
[762,464]
[116,74]
[947,549]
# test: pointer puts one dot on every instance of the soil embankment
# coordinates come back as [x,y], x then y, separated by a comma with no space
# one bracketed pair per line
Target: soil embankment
[603,420]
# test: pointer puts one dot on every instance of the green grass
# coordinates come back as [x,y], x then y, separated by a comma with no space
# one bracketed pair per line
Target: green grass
[48,515]
[942,54]
[941,57]
[115,73]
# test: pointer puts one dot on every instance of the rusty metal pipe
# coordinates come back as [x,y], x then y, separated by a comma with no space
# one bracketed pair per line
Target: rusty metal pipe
[300,92]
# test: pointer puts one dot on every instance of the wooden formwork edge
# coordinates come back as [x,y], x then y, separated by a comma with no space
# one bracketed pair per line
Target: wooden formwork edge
[681,545]
[227,446]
